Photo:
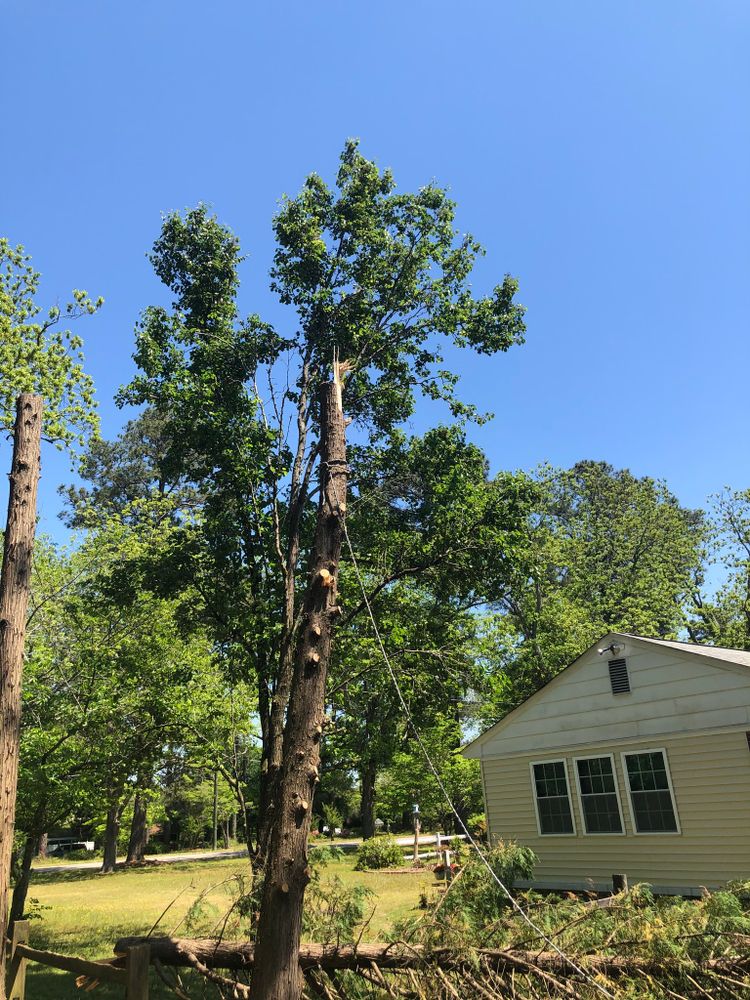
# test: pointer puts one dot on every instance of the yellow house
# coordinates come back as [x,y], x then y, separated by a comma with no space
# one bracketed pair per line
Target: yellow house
[634,759]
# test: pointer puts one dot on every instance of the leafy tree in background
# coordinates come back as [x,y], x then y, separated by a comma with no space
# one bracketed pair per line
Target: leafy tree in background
[37,356]
[722,618]
[604,551]
[431,531]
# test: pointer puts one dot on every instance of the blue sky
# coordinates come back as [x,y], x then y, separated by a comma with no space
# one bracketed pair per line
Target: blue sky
[599,150]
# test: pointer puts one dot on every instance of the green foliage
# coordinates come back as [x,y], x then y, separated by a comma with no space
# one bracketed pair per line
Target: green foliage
[476,896]
[723,618]
[477,824]
[334,910]
[409,779]
[602,551]
[36,356]
[333,818]
[379,852]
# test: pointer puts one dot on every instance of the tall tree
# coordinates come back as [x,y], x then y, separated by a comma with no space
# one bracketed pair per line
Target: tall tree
[604,550]
[40,364]
[378,276]
[720,615]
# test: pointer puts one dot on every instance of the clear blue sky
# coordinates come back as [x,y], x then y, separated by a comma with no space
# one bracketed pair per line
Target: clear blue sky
[599,150]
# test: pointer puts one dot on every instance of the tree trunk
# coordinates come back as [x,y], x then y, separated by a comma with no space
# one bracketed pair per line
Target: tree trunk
[216,812]
[368,776]
[15,583]
[277,974]
[111,834]
[42,849]
[138,830]
[21,888]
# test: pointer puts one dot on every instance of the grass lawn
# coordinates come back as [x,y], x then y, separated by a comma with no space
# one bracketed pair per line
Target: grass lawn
[88,912]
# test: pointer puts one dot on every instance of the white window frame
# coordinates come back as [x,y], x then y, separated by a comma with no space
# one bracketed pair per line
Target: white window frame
[651,833]
[598,833]
[564,762]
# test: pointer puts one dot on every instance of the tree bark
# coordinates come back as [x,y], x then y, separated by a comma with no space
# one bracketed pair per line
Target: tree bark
[217,954]
[369,773]
[138,830]
[15,584]
[215,839]
[21,888]
[111,834]
[277,973]
[42,849]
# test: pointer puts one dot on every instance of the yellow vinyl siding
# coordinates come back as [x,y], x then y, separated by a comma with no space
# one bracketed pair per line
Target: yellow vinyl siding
[711,781]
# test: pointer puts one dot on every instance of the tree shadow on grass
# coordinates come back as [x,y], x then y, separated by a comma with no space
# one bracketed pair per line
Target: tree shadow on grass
[90,874]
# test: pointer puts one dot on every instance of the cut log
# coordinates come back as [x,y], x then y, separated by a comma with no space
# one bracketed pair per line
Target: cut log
[239,955]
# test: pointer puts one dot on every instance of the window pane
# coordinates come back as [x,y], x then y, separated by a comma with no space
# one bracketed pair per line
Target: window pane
[649,793]
[601,810]
[553,803]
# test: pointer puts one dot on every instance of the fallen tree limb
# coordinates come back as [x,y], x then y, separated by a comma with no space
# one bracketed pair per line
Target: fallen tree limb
[239,955]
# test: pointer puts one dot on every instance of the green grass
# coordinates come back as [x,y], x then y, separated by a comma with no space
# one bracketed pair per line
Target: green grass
[83,913]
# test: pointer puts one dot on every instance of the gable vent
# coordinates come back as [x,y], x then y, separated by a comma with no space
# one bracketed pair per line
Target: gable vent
[618,676]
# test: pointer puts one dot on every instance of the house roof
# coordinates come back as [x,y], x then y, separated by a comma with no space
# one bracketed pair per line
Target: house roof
[741,656]
[719,654]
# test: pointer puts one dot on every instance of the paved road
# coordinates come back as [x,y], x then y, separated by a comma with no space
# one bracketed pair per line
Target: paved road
[171,859]
[162,859]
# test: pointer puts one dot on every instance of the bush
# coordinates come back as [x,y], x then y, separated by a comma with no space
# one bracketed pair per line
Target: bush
[379,852]
[79,855]
[157,847]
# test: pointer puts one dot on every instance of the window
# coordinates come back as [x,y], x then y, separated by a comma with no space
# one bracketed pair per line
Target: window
[618,676]
[600,801]
[651,800]
[551,797]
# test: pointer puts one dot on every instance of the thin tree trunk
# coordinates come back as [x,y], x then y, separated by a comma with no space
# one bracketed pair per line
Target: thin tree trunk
[42,849]
[216,812]
[369,773]
[138,830]
[277,974]
[21,888]
[15,583]
[111,834]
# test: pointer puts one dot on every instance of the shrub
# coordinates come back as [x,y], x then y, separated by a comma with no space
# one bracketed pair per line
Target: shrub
[379,852]
[157,847]
[79,855]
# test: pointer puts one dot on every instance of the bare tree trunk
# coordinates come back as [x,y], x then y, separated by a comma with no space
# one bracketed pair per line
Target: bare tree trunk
[15,583]
[42,849]
[21,888]
[368,775]
[215,840]
[138,830]
[277,973]
[111,834]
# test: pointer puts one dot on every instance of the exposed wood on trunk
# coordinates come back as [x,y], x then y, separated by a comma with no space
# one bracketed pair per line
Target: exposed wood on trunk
[277,974]
[240,955]
[15,583]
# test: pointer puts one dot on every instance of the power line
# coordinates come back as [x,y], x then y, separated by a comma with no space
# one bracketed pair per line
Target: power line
[407,714]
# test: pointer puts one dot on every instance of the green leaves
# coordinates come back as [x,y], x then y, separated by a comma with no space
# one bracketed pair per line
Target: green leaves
[37,357]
